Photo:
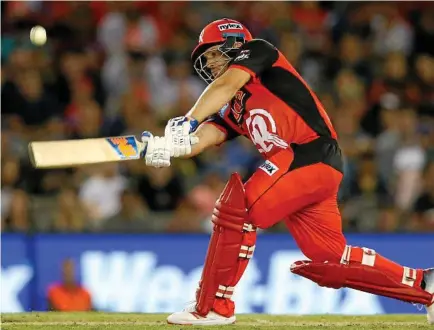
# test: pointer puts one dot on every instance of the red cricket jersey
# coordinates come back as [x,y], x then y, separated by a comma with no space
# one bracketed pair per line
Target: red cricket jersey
[276,109]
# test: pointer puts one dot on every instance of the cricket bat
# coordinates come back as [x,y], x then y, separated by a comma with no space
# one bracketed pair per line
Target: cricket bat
[72,153]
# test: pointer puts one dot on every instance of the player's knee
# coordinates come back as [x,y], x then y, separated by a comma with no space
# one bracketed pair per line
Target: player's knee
[255,220]
[322,255]
[259,219]
[260,215]
[331,252]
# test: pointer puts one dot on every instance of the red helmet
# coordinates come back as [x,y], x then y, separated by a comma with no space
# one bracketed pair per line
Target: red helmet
[227,32]
[216,33]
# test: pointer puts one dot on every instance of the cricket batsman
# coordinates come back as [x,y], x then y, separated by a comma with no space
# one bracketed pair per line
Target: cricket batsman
[255,92]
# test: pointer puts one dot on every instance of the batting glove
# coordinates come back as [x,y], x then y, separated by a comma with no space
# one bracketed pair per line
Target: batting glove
[157,150]
[178,130]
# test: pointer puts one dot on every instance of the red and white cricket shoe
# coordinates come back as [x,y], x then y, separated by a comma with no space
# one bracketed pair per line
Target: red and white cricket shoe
[188,316]
[429,287]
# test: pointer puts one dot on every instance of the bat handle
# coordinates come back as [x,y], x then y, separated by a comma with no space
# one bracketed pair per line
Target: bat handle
[143,146]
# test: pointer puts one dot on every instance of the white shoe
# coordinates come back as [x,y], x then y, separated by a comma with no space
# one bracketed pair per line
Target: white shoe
[429,286]
[189,317]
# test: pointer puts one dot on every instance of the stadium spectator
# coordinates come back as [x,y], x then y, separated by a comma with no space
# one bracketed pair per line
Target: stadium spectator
[369,196]
[101,192]
[391,32]
[70,215]
[68,295]
[14,201]
[161,189]
[133,217]
[206,192]
[423,218]
[408,161]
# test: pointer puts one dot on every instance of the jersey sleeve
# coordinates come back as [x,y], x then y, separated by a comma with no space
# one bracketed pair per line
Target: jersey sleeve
[255,57]
[221,124]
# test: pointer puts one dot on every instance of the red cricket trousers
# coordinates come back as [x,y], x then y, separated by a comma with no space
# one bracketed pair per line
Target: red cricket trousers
[304,195]
[305,198]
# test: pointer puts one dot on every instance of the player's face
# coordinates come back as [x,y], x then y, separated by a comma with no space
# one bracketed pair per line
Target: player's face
[216,61]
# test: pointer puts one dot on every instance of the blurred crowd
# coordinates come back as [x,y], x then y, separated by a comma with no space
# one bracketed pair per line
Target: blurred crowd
[115,68]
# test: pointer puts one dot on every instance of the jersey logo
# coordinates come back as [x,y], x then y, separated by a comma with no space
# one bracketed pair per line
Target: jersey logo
[262,130]
[125,146]
[269,168]
[230,26]
[243,55]
[238,105]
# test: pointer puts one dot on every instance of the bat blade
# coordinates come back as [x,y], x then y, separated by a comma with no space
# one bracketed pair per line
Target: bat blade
[71,153]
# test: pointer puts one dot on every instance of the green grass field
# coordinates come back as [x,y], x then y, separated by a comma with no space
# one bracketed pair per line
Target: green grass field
[101,321]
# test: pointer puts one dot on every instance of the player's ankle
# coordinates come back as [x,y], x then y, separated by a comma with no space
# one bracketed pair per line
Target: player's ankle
[223,314]
[224,307]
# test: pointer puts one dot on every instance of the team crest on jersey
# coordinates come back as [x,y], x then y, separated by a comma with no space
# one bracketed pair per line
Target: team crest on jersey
[263,131]
[243,55]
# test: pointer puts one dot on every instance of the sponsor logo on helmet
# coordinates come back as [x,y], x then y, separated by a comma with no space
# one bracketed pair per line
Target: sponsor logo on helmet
[230,26]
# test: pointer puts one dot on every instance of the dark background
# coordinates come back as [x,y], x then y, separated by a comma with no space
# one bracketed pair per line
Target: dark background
[114,68]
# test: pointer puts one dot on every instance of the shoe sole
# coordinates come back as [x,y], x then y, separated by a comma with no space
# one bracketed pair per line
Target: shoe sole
[202,324]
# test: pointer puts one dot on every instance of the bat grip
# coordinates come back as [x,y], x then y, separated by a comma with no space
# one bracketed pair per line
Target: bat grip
[143,147]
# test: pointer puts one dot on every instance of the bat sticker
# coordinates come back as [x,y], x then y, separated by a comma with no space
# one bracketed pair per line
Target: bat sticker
[126,146]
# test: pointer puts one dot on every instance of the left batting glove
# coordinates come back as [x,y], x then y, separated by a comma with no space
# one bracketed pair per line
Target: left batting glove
[178,130]
[157,150]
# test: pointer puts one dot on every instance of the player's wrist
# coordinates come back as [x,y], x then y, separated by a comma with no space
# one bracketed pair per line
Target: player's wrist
[194,123]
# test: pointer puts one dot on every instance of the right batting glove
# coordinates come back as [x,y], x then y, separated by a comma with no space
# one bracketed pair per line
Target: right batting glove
[157,150]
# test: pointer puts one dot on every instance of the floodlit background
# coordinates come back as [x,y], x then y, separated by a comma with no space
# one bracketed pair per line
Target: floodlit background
[115,68]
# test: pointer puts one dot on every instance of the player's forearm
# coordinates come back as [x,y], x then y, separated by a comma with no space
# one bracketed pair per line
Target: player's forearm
[208,136]
[215,96]
[196,149]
